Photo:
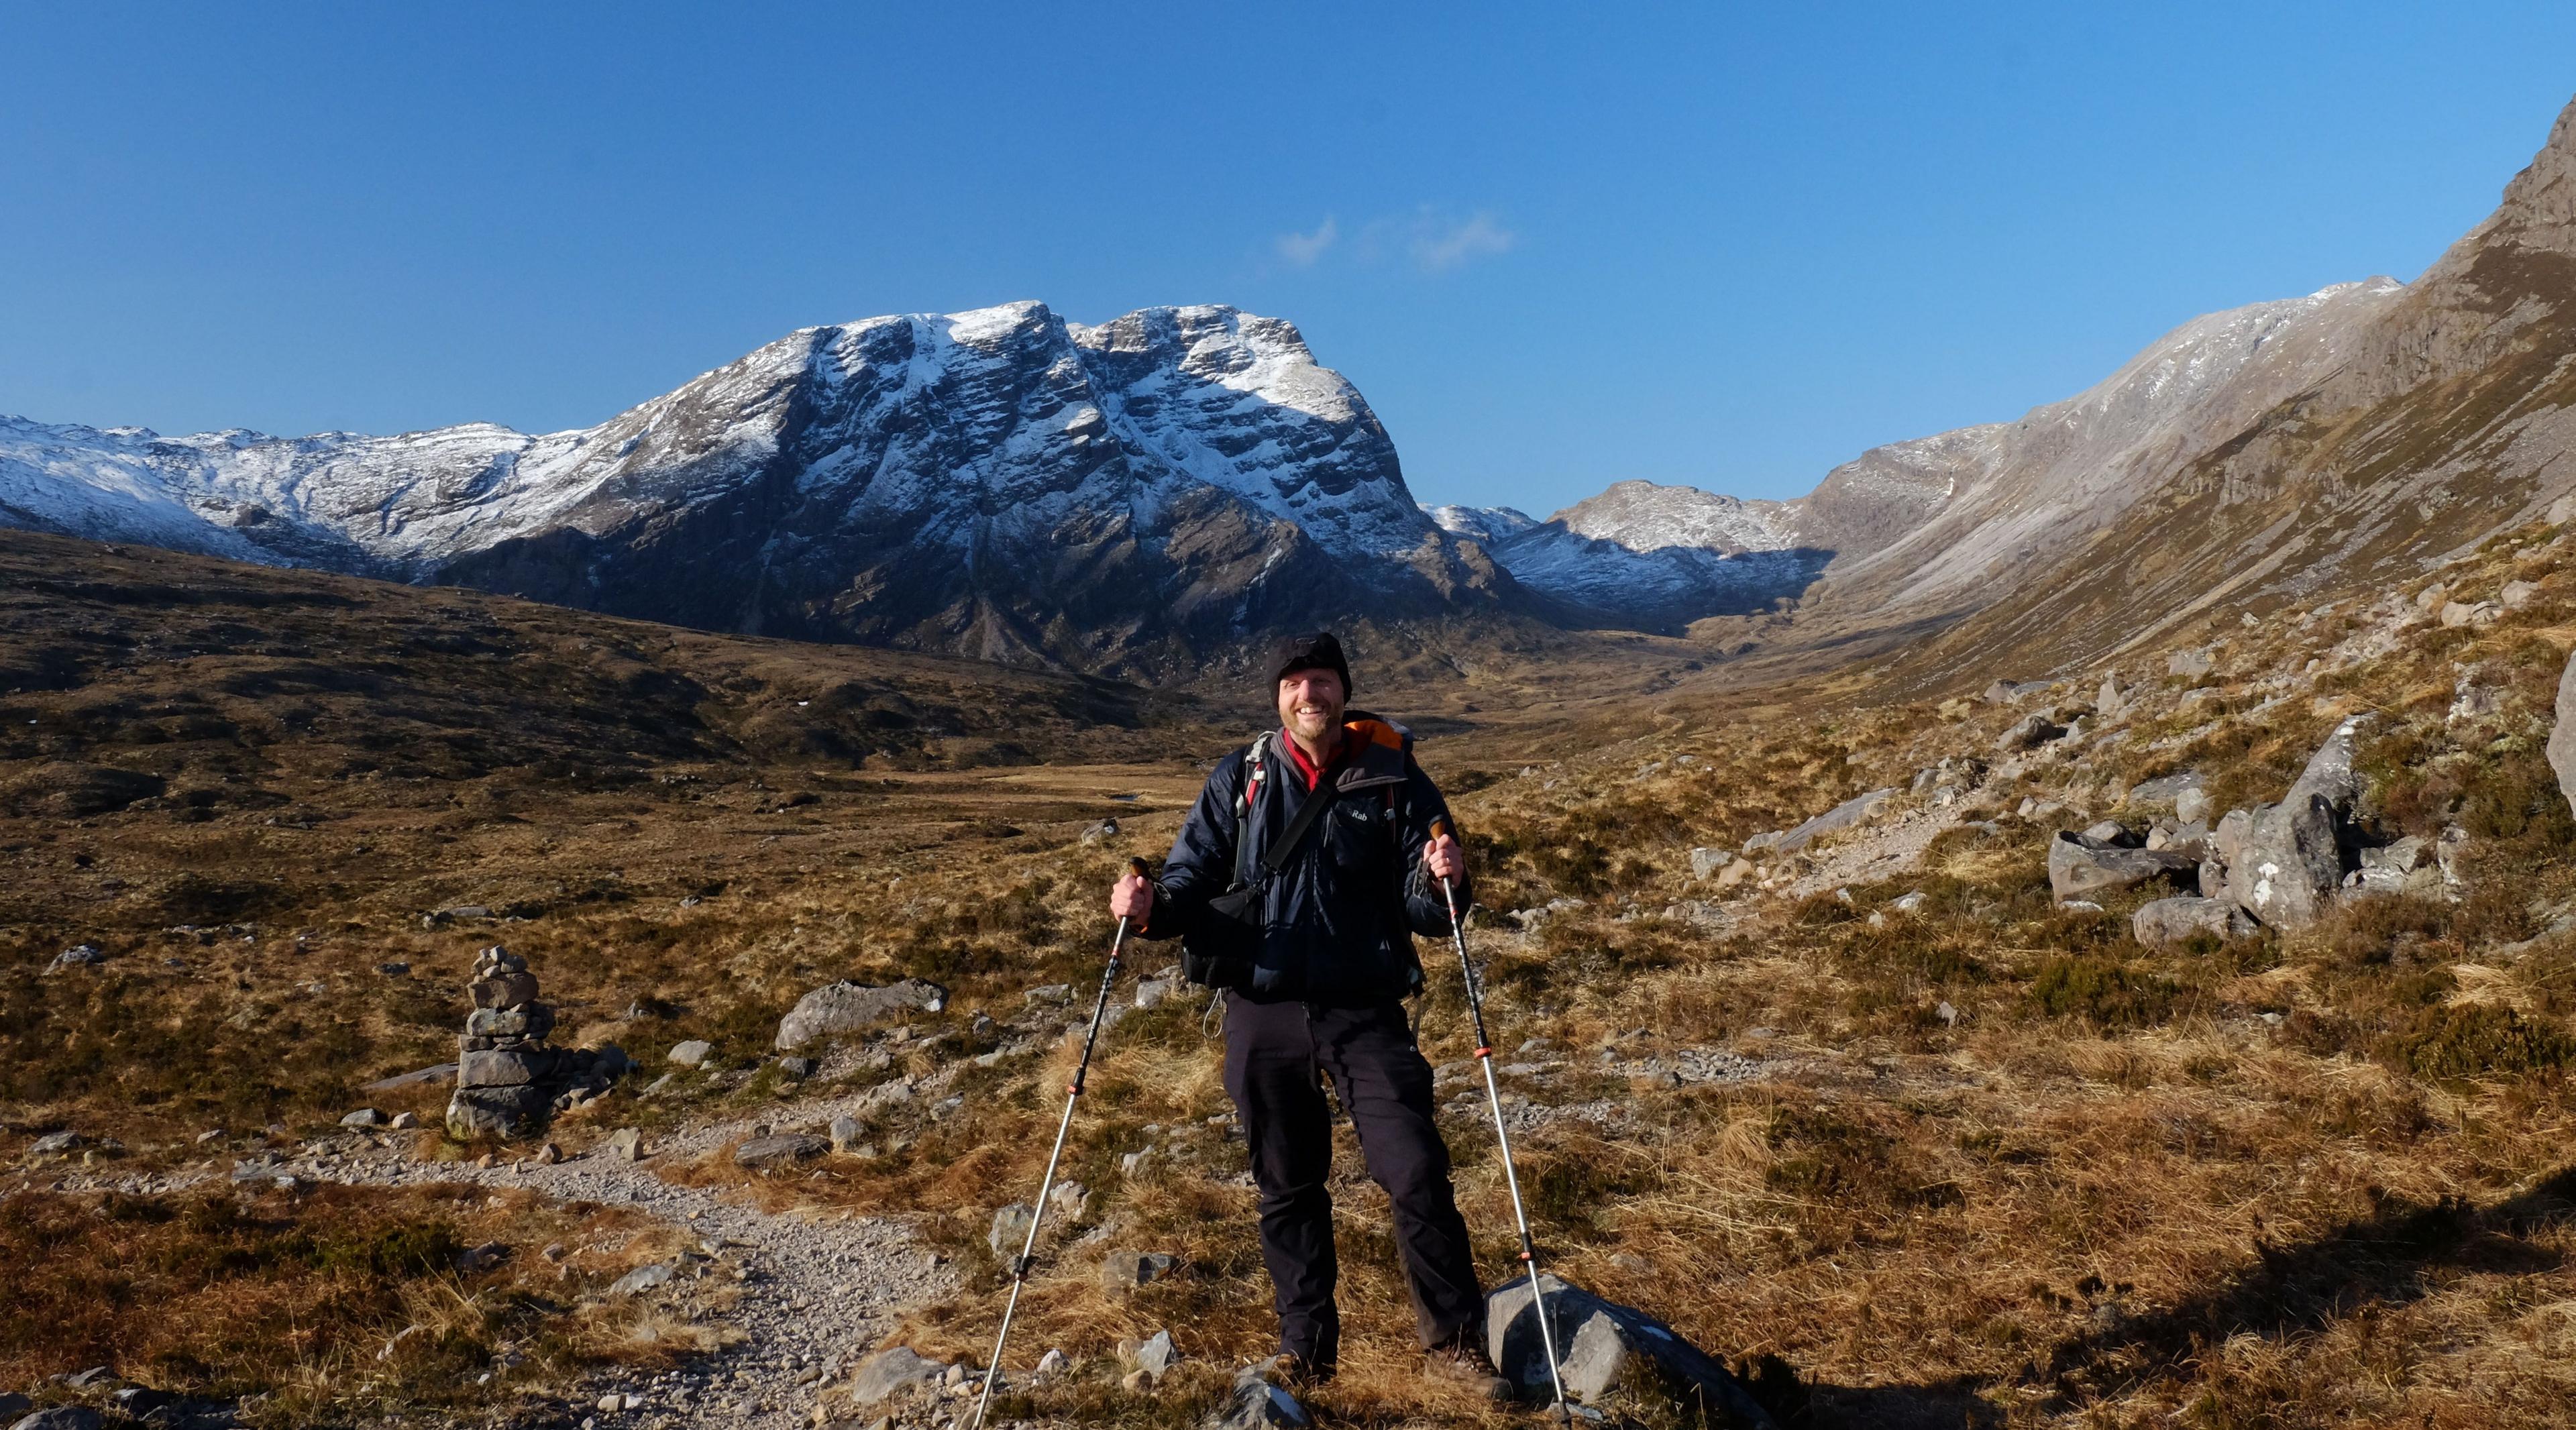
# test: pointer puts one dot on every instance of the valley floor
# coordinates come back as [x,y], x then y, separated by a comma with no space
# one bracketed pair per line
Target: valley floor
[1880,1109]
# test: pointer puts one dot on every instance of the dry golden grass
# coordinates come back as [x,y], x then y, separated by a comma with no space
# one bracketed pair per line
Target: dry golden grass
[2106,1191]
[324,1304]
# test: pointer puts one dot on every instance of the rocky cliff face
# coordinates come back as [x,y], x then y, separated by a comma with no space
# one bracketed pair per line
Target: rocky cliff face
[997,482]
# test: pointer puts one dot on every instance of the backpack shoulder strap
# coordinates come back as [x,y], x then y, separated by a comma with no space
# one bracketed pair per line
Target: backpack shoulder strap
[1256,766]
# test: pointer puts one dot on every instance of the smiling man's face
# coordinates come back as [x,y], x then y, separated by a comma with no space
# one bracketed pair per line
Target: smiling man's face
[1310,708]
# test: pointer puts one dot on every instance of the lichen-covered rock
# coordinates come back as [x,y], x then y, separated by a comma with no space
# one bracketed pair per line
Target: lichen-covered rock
[2290,861]
[855,1007]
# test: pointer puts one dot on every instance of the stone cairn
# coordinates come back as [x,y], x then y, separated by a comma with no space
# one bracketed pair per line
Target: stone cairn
[508,1080]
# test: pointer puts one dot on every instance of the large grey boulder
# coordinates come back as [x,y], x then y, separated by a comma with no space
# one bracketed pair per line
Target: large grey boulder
[847,1007]
[2562,733]
[2161,922]
[1842,816]
[2290,860]
[2079,865]
[1612,1357]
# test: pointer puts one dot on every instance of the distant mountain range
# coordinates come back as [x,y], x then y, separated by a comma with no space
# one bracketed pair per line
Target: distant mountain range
[1134,496]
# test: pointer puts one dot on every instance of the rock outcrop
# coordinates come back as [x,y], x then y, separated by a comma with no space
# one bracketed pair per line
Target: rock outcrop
[2290,861]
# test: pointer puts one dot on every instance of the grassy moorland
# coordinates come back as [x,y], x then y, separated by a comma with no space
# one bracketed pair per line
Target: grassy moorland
[1977,1159]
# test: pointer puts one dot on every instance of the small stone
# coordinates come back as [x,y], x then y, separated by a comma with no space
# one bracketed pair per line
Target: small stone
[79,955]
[1050,1365]
[1010,1229]
[61,1417]
[611,1404]
[1123,1271]
[2518,594]
[1054,993]
[482,1258]
[626,1144]
[548,1155]
[796,1069]
[363,1117]
[1157,1355]
[1135,1382]
[1069,1200]
[404,1121]
[693,1053]
[643,1278]
[53,1143]
[846,1131]
[1706,860]
[1946,1013]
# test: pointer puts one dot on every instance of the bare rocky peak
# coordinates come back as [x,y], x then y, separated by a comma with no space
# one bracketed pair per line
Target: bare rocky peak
[1648,516]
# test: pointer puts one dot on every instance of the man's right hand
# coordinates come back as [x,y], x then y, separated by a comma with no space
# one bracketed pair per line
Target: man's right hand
[1133,898]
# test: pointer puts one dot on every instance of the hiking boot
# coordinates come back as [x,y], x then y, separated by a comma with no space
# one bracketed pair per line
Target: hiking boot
[1293,1372]
[1463,1362]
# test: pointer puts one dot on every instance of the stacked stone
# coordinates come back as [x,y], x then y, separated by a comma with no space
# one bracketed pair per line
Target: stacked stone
[508,1080]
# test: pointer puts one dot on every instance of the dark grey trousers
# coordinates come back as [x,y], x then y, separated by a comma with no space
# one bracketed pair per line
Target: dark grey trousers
[1273,1053]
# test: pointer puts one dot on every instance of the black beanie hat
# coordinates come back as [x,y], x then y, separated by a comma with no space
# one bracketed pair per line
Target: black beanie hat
[1318,651]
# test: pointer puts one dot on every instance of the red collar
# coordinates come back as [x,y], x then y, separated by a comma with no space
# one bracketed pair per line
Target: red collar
[1297,759]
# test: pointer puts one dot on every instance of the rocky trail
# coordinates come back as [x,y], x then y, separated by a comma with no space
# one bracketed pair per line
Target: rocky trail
[799,1296]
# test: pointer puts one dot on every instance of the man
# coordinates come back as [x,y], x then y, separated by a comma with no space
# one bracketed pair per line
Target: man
[1319,990]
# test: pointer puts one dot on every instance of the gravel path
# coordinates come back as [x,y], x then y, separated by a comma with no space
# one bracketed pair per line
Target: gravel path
[817,1288]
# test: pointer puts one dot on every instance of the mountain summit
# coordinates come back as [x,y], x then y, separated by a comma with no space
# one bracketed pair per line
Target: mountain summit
[997,482]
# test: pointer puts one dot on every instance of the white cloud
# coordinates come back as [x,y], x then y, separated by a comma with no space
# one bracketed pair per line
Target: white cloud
[1300,250]
[1438,245]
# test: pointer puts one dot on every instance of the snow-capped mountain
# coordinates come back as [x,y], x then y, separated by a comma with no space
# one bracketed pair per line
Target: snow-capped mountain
[1642,554]
[1135,496]
[999,482]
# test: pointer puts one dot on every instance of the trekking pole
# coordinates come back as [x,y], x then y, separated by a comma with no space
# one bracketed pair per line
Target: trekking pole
[1494,1100]
[1037,1213]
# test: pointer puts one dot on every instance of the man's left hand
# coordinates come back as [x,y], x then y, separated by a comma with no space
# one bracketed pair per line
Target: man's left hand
[1443,859]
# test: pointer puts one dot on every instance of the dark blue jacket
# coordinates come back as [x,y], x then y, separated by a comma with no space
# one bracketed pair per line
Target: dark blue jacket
[1339,918]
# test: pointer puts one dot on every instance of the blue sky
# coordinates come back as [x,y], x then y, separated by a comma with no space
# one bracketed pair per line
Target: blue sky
[1556,246]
